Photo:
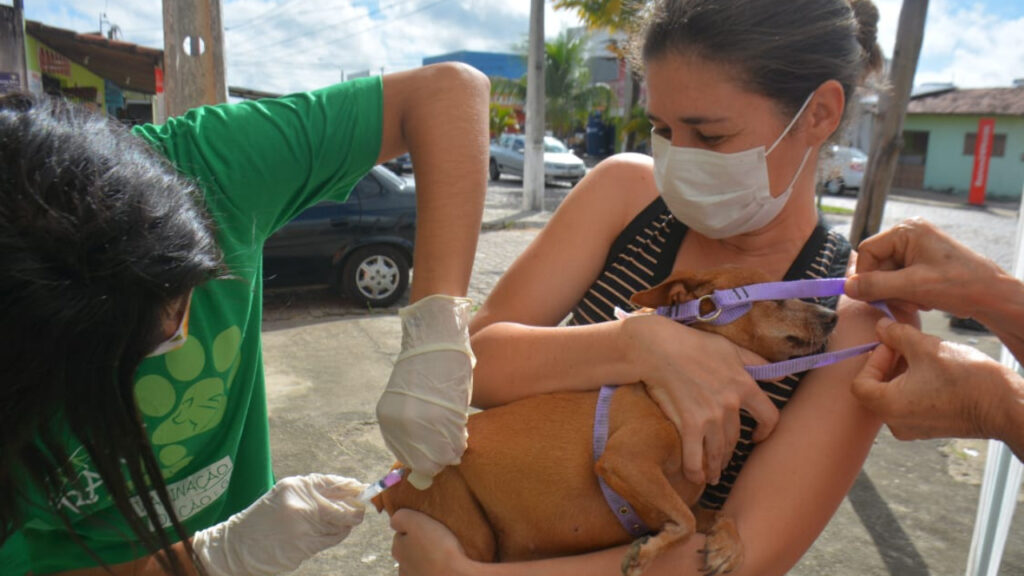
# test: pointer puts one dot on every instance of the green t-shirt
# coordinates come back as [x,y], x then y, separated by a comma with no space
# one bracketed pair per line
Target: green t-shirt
[259,163]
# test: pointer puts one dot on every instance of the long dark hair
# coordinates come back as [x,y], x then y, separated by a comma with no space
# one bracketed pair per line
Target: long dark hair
[782,50]
[98,236]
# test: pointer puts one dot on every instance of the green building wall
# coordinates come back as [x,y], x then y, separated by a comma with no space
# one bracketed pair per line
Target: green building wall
[79,77]
[948,169]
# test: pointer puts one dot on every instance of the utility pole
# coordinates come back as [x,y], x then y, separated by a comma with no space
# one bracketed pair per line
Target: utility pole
[13,73]
[193,55]
[533,160]
[892,107]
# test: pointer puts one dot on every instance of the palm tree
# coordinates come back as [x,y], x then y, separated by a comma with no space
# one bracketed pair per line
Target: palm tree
[614,16]
[569,95]
[502,119]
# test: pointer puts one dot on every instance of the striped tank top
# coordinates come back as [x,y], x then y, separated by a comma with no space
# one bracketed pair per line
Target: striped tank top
[643,256]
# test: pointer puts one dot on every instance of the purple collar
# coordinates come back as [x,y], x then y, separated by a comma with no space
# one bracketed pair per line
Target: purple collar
[732,303]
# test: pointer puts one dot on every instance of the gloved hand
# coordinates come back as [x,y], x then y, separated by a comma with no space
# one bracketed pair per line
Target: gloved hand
[423,410]
[299,517]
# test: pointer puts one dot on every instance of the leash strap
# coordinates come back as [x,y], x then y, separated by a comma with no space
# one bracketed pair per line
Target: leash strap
[625,514]
[732,303]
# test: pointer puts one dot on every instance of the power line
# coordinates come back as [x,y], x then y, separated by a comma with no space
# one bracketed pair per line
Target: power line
[344,38]
[261,16]
[314,31]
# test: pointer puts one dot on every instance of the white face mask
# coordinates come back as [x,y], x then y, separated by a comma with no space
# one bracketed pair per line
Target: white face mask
[177,340]
[720,195]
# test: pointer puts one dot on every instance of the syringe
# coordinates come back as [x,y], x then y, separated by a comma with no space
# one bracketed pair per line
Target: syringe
[389,480]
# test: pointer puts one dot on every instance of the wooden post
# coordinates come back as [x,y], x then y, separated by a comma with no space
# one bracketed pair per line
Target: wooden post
[533,155]
[193,55]
[888,136]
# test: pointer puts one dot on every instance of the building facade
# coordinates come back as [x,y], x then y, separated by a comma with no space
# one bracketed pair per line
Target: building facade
[939,137]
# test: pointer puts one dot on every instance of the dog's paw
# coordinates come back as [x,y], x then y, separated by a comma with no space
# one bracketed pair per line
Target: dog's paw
[635,560]
[723,551]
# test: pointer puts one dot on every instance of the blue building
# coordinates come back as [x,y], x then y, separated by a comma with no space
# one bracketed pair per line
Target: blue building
[511,66]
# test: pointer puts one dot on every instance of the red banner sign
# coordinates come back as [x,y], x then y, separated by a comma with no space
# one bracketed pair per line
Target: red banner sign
[158,75]
[982,154]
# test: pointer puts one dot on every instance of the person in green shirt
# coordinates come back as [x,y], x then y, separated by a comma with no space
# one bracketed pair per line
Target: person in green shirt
[135,433]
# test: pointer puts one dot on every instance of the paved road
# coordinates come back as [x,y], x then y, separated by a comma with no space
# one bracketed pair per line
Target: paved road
[909,513]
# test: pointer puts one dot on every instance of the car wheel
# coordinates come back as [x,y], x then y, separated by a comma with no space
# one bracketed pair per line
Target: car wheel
[375,275]
[495,173]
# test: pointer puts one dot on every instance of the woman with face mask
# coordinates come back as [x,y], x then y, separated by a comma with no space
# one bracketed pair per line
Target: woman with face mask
[742,95]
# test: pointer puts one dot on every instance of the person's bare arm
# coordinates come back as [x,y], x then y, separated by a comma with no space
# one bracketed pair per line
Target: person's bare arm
[439,115]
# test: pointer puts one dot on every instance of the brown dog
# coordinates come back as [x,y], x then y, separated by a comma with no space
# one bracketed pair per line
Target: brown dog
[527,486]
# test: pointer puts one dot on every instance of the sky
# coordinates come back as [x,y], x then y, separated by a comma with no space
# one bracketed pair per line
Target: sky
[291,45]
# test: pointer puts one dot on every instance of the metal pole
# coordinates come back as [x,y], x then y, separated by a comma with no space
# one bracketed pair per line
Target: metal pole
[1003,474]
[533,160]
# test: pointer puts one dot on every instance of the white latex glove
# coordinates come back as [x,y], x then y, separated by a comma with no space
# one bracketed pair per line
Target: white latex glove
[299,517]
[423,410]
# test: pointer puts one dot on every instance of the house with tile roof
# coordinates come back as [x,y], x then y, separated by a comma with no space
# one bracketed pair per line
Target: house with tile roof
[940,131]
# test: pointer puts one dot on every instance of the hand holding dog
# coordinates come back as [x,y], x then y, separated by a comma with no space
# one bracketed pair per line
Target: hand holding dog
[423,410]
[699,382]
[423,546]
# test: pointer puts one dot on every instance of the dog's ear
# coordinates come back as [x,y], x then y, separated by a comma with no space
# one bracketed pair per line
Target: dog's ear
[661,295]
[652,297]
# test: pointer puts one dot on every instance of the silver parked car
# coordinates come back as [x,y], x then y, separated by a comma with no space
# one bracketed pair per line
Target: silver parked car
[842,169]
[559,162]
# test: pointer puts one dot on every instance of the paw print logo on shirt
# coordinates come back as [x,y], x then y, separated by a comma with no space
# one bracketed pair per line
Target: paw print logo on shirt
[200,407]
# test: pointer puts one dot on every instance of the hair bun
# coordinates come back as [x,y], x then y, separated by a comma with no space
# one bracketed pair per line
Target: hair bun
[866,14]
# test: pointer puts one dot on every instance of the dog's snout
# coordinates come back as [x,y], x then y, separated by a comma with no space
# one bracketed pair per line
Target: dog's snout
[828,318]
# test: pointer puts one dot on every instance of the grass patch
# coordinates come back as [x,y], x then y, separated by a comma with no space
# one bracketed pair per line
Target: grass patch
[836,210]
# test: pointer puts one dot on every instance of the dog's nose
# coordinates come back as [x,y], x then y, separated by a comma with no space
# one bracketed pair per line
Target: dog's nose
[828,318]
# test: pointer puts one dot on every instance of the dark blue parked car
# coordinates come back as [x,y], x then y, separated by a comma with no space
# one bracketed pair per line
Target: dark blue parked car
[362,246]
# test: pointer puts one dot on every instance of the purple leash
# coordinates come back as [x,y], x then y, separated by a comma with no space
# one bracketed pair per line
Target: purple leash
[732,303]
[625,514]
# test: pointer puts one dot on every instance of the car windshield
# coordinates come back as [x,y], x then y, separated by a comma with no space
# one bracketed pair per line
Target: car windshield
[554,145]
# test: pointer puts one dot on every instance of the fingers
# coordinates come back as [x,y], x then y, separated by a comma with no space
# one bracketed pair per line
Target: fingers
[904,339]
[888,250]
[870,384]
[764,411]
[883,285]
[693,457]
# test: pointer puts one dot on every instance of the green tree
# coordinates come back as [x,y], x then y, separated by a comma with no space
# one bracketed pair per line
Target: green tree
[569,95]
[614,16]
[503,118]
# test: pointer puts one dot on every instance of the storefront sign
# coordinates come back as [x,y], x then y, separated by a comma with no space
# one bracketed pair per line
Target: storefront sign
[9,82]
[51,62]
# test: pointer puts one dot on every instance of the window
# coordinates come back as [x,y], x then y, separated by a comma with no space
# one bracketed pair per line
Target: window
[998,144]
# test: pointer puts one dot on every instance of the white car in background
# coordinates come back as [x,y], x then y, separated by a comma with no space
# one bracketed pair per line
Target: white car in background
[559,162]
[842,169]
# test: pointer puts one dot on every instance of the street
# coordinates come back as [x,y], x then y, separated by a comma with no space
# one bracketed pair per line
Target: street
[910,513]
